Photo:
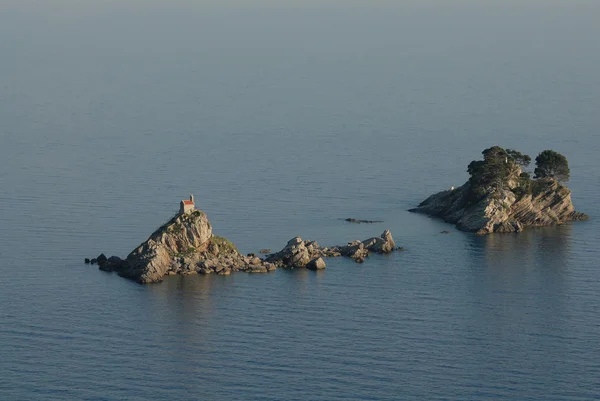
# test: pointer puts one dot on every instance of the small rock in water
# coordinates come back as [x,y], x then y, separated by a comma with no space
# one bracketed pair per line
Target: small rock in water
[87,261]
[444,232]
[257,269]
[224,272]
[316,264]
[357,221]
[93,261]
[265,251]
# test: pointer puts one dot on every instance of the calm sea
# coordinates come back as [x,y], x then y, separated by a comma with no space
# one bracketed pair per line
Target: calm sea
[282,121]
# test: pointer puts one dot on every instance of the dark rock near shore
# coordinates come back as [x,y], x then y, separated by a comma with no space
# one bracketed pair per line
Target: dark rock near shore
[357,221]
[101,259]
[113,264]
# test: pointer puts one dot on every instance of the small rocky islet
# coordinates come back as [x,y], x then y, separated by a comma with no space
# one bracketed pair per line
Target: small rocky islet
[500,197]
[186,245]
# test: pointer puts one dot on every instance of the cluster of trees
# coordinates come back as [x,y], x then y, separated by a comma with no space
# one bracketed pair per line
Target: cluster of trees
[499,166]
[551,164]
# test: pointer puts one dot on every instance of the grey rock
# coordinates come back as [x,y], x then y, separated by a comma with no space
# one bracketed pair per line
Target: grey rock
[186,235]
[113,264]
[101,259]
[224,272]
[270,266]
[503,211]
[295,241]
[257,269]
[383,244]
[316,264]
[299,253]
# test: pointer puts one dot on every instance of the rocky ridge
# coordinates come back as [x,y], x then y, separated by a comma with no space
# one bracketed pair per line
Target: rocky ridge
[503,211]
[186,245]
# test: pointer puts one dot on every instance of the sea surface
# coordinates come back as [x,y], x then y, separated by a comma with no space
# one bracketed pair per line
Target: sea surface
[283,119]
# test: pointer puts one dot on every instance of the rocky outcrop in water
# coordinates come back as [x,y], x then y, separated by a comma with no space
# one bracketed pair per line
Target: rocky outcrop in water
[500,197]
[505,210]
[301,253]
[186,245]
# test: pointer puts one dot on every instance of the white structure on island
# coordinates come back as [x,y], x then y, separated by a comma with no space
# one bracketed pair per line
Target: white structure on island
[187,206]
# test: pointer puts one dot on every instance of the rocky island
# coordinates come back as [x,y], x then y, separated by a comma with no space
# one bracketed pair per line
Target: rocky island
[500,197]
[186,245]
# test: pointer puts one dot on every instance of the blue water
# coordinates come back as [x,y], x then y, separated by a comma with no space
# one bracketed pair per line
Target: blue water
[283,120]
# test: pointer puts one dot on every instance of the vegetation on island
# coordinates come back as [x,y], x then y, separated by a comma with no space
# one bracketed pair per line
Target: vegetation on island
[551,164]
[502,197]
[225,246]
[503,169]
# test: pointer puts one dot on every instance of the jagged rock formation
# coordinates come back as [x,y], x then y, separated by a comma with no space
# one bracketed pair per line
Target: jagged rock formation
[186,245]
[506,210]
[300,253]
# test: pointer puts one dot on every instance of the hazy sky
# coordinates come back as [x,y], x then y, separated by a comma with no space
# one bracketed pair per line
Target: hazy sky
[291,3]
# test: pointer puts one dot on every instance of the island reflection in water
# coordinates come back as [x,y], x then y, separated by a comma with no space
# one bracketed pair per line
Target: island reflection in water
[518,288]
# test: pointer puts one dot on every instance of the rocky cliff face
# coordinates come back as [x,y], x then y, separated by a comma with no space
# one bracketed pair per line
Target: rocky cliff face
[503,211]
[186,245]
[182,236]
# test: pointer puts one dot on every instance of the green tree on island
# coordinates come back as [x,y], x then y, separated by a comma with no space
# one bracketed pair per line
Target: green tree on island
[521,159]
[551,164]
[498,167]
[502,169]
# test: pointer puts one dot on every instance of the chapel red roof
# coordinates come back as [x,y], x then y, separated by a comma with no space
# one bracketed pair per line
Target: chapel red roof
[187,202]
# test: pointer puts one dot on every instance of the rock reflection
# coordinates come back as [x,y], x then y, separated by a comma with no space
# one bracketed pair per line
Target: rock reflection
[518,281]
[183,305]
[302,281]
[533,248]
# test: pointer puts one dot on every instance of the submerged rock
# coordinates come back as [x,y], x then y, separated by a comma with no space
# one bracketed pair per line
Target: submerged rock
[358,221]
